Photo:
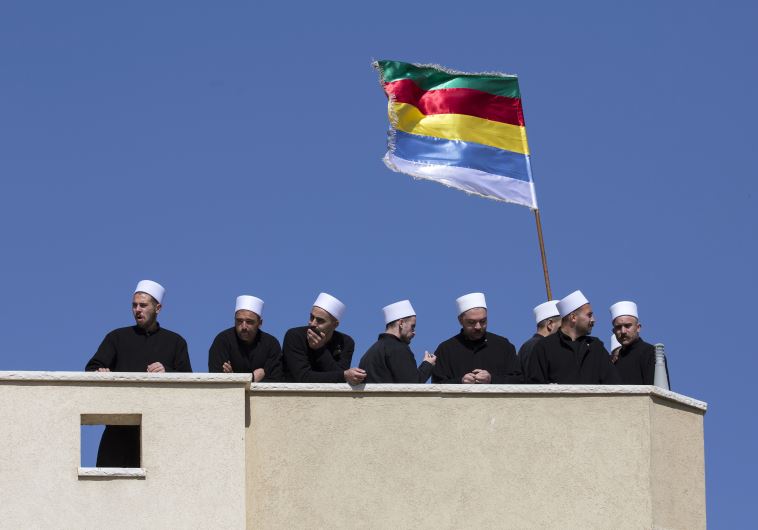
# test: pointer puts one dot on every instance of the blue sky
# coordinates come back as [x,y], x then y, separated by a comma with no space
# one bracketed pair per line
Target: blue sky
[235,147]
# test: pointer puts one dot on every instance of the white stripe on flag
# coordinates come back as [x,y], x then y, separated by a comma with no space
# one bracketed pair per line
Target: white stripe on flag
[472,181]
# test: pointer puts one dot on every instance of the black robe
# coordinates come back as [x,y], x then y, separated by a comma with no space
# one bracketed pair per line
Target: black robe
[264,352]
[325,365]
[558,359]
[526,350]
[390,360]
[636,363]
[132,349]
[458,356]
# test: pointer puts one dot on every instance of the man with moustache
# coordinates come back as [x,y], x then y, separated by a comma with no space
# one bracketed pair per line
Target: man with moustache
[571,356]
[390,359]
[144,347]
[476,356]
[245,348]
[318,353]
[636,358]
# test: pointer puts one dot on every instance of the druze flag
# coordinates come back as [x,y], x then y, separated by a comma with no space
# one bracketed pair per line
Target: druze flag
[462,130]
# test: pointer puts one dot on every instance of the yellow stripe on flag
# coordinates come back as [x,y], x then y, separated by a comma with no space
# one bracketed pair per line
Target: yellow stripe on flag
[460,127]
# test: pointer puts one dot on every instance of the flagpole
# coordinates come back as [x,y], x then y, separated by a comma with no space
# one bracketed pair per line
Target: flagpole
[542,253]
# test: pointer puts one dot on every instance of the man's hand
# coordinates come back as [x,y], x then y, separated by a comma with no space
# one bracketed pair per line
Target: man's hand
[430,358]
[316,339]
[103,369]
[155,368]
[258,374]
[482,377]
[468,379]
[355,376]
[227,367]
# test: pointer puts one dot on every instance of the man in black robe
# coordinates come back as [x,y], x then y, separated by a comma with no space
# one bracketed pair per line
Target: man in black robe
[390,359]
[548,321]
[476,356]
[144,347]
[318,353]
[245,348]
[571,356]
[636,358]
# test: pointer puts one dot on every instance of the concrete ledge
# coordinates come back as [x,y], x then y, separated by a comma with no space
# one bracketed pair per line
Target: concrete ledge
[537,390]
[343,388]
[124,377]
[112,472]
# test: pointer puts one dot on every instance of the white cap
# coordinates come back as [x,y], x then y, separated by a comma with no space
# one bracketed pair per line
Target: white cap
[398,310]
[330,304]
[250,303]
[152,288]
[614,342]
[470,301]
[546,310]
[624,308]
[571,303]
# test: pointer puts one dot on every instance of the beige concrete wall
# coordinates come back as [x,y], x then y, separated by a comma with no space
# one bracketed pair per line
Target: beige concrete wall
[464,457]
[193,451]
[677,442]
[220,453]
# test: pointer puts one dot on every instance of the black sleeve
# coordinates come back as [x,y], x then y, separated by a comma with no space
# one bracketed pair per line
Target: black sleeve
[181,357]
[348,349]
[217,355]
[537,365]
[424,371]
[609,375]
[513,374]
[364,362]
[105,356]
[273,366]
[401,364]
[295,354]
[648,367]
[523,355]
[442,372]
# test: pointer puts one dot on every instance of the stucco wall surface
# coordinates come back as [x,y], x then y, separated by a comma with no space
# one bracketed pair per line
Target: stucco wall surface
[193,451]
[221,453]
[677,442]
[327,456]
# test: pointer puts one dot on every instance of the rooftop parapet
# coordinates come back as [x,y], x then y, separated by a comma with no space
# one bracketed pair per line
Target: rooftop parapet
[218,451]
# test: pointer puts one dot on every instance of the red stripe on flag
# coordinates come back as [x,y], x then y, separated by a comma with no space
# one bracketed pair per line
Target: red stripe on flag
[457,101]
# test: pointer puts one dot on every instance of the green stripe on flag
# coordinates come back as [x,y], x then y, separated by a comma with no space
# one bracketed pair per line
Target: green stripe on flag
[430,78]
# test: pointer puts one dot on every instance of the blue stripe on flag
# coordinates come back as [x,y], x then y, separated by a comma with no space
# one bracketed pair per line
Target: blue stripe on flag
[429,150]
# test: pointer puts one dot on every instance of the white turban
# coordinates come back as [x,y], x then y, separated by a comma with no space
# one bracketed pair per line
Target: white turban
[470,301]
[250,303]
[152,288]
[397,311]
[571,303]
[330,304]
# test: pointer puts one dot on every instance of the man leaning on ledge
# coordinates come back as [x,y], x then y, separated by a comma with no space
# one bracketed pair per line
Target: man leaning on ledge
[390,359]
[318,353]
[476,356]
[144,347]
[245,347]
